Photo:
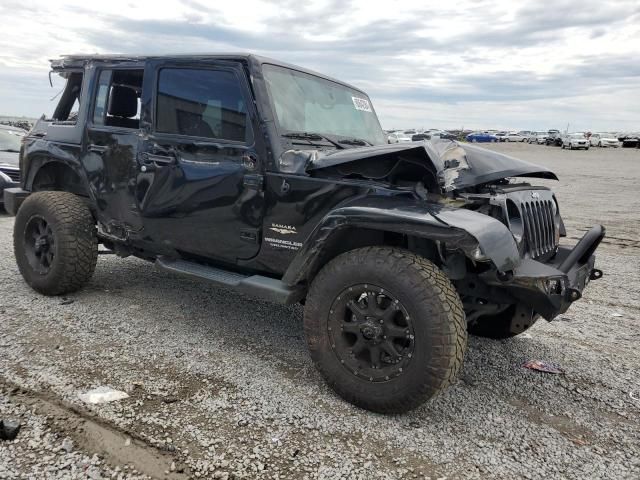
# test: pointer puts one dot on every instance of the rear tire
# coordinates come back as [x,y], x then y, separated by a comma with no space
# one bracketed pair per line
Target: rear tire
[367,299]
[55,242]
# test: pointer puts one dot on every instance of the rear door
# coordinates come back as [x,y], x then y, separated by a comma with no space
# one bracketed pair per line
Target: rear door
[199,182]
[111,146]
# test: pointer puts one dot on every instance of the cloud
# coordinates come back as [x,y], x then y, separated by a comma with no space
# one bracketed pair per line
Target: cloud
[476,63]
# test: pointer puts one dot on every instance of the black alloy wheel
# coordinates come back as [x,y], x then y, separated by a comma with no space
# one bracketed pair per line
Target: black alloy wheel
[371,333]
[39,244]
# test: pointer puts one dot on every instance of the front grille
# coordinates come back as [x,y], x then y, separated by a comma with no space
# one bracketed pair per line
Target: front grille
[539,226]
[12,173]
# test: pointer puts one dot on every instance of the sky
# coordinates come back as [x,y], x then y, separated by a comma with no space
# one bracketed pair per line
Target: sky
[529,64]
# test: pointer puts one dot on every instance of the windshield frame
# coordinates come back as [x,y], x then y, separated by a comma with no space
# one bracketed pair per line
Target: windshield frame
[283,131]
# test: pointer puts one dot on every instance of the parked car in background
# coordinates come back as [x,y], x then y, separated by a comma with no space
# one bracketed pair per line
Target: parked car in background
[554,138]
[502,136]
[399,137]
[10,142]
[533,136]
[477,137]
[575,140]
[448,136]
[629,140]
[604,140]
[515,137]
[420,137]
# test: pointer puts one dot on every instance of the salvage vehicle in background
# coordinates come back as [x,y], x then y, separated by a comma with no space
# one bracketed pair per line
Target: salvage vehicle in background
[554,138]
[575,141]
[481,137]
[501,136]
[10,142]
[515,137]
[399,137]
[277,182]
[629,140]
[604,140]
[538,137]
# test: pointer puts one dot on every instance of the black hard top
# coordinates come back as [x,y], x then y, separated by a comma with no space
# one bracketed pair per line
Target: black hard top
[69,62]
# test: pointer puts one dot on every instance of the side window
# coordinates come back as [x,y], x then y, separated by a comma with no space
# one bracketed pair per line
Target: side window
[117,99]
[66,111]
[201,103]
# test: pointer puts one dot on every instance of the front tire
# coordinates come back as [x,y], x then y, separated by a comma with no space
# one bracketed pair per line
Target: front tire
[55,242]
[385,328]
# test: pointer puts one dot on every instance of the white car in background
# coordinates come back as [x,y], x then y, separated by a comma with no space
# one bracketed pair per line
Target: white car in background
[537,137]
[399,137]
[604,140]
[575,140]
[515,137]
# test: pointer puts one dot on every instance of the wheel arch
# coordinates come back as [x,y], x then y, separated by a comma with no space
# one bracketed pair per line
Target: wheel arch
[418,227]
[51,174]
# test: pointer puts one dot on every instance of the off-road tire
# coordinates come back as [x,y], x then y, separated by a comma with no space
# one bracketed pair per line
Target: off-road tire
[75,250]
[497,327]
[431,301]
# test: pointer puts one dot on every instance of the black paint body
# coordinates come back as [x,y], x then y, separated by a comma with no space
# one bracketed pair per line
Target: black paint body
[230,204]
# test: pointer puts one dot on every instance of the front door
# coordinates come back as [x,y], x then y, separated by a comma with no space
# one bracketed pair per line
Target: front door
[199,183]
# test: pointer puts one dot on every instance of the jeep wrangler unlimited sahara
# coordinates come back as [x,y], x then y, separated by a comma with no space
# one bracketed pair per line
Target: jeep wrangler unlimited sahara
[278,182]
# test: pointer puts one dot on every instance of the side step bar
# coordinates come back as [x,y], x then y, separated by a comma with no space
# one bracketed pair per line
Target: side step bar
[254,285]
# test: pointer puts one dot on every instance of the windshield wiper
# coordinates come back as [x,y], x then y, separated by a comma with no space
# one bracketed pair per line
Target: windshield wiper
[311,136]
[355,141]
[9,150]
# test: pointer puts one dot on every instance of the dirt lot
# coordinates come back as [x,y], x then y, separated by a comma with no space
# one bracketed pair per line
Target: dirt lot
[221,386]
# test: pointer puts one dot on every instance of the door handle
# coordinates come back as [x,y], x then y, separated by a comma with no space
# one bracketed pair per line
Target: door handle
[98,148]
[158,160]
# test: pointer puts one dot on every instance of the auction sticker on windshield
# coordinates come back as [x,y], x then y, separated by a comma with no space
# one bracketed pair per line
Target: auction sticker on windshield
[361,104]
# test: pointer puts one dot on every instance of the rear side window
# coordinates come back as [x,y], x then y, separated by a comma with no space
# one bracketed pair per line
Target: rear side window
[117,98]
[66,111]
[201,103]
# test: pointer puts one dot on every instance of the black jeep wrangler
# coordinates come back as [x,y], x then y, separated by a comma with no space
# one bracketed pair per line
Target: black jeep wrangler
[278,182]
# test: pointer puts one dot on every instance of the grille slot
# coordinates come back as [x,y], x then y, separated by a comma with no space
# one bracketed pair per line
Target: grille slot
[539,226]
[12,173]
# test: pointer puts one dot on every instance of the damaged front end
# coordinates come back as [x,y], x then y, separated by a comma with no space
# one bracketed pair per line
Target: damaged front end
[517,266]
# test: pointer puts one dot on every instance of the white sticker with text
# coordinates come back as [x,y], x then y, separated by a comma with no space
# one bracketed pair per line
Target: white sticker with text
[361,104]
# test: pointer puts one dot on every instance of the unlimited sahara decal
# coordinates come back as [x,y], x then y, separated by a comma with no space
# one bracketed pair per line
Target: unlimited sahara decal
[280,243]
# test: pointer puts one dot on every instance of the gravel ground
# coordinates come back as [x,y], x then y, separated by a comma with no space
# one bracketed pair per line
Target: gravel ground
[221,386]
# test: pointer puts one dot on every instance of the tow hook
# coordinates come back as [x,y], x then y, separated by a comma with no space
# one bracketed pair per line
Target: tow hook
[574,294]
[595,274]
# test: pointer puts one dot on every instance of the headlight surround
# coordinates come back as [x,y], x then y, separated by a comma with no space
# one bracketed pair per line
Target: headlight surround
[514,218]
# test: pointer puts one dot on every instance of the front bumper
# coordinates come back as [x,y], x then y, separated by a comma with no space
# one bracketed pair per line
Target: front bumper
[5,183]
[13,198]
[550,288]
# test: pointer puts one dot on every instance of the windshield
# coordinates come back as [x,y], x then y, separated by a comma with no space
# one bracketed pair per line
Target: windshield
[306,103]
[576,135]
[10,141]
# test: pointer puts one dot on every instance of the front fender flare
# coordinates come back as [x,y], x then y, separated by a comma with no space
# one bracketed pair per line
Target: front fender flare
[457,227]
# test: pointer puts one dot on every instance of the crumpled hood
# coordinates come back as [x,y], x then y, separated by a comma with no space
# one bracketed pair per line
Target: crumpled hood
[457,166]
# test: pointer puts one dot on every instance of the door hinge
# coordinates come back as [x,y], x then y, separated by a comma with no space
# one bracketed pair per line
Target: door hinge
[249,235]
[254,181]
